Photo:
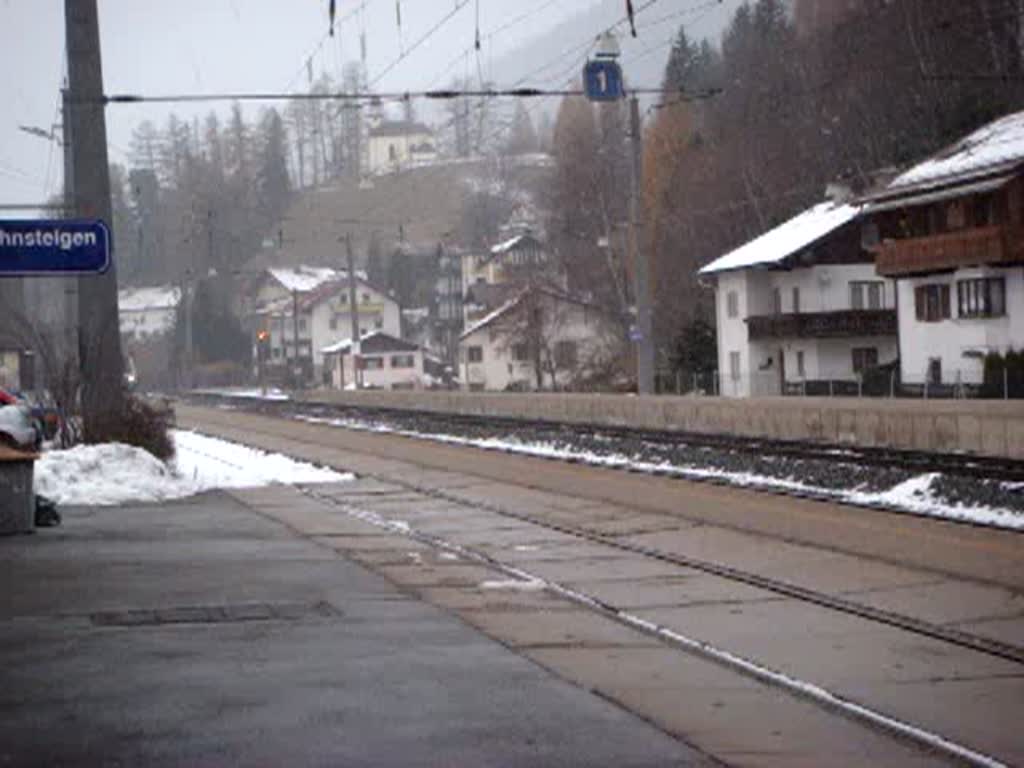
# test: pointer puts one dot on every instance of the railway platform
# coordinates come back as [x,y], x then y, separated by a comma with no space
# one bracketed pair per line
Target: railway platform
[211,631]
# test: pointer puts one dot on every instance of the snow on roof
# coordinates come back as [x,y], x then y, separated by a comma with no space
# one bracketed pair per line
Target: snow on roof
[391,343]
[794,235]
[141,299]
[304,279]
[490,318]
[511,243]
[995,147]
[558,295]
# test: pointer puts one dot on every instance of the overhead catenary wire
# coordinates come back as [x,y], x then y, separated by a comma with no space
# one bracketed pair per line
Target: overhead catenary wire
[526,92]
[586,47]
[459,5]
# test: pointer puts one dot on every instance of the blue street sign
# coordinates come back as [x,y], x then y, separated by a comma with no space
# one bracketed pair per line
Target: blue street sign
[41,247]
[602,80]
[635,334]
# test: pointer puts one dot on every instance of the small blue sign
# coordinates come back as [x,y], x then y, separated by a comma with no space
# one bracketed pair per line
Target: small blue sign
[48,247]
[602,80]
[635,334]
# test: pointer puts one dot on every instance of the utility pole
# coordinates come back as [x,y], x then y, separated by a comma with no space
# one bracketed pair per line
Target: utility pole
[72,338]
[641,267]
[99,328]
[357,376]
[296,368]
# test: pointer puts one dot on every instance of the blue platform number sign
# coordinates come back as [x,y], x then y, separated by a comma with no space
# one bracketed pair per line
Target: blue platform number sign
[63,246]
[602,80]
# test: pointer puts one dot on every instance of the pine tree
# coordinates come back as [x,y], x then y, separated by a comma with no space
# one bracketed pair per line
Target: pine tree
[273,186]
[522,138]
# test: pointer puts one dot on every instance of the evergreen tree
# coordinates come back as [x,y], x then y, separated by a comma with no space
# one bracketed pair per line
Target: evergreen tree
[522,138]
[273,185]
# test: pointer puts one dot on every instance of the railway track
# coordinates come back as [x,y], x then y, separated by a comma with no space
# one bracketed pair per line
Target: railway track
[586,528]
[959,638]
[918,462]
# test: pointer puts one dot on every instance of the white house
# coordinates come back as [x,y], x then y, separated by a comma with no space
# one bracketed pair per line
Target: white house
[395,145]
[801,307]
[539,329]
[383,361]
[310,305]
[951,232]
[145,312]
[490,279]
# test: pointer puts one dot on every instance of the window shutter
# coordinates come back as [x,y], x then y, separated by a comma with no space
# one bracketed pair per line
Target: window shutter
[919,302]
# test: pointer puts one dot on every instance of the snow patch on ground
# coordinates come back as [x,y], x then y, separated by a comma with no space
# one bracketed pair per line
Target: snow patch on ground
[111,474]
[914,495]
[271,393]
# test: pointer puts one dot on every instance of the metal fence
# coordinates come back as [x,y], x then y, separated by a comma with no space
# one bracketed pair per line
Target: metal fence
[881,383]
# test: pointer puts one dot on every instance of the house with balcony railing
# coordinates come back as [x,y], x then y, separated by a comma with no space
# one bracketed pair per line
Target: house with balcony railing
[950,232]
[304,309]
[801,308]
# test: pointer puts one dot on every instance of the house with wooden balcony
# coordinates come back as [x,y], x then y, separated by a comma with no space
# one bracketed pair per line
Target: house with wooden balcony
[950,232]
[801,308]
[305,309]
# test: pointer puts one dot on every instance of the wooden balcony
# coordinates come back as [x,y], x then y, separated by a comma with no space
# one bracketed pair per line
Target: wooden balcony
[823,325]
[918,255]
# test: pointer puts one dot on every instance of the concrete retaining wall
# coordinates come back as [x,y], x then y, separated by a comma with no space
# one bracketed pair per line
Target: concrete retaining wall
[984,427]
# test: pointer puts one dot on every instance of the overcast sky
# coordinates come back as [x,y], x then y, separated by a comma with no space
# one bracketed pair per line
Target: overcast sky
[154,47]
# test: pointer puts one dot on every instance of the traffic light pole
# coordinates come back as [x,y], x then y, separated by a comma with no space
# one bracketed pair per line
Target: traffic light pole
[102,367]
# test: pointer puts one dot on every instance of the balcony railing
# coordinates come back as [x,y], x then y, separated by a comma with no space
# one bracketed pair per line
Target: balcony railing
[917,255]
[823,325]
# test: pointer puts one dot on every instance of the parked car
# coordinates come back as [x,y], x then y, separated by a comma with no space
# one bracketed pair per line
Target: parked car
[47,419]
[19,428]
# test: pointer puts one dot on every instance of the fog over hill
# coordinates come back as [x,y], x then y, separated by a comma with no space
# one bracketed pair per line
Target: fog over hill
[554,57]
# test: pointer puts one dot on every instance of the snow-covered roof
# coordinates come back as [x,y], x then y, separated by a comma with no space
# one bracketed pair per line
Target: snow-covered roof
[511,304]
[994,148]
[511,243]
[141,299]
[303,278]
[378,340]
[491,317]
[787,239]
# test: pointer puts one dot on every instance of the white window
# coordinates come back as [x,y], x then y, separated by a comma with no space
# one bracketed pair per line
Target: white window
[734,366]
[732,301]
[475,354]
[796,300]
[867,294]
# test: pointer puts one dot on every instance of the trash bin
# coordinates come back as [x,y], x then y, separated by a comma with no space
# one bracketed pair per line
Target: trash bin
[17,502]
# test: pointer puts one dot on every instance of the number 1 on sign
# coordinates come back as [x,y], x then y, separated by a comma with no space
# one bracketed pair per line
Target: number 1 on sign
[602,81]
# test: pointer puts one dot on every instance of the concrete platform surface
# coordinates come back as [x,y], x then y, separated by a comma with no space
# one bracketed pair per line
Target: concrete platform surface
[205,633]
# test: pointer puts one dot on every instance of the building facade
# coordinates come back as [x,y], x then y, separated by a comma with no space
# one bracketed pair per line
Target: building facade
[383,361]
[146,312]
[540,339]
[306,309]
[801,309]
[950,231]
[396,145]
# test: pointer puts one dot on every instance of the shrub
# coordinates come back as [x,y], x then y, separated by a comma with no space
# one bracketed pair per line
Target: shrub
[140,424]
